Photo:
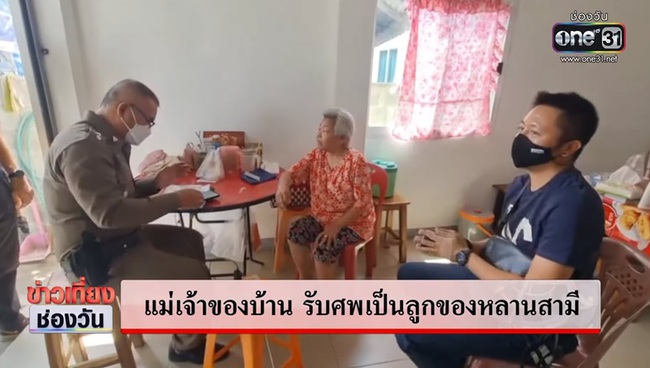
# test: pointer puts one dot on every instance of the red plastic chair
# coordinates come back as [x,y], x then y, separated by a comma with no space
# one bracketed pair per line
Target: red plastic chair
[624,276]
[378,177]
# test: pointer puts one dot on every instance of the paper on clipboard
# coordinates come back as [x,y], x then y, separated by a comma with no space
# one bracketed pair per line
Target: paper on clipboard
[176,188]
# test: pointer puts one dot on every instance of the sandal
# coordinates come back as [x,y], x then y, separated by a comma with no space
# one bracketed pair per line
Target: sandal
[17,329]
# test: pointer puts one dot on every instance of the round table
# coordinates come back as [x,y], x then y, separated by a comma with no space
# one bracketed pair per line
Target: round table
[234,194]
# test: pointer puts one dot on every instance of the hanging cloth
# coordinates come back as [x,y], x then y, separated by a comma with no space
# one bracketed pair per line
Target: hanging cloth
[11,94]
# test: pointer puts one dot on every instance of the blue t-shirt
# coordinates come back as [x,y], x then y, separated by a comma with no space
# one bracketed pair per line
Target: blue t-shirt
[563,221]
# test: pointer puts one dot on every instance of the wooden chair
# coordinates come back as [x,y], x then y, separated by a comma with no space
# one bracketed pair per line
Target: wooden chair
[59,357]
[624,273]
[379,177]
[299,207]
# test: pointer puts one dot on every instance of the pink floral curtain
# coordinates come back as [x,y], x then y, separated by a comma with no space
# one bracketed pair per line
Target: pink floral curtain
[454,49]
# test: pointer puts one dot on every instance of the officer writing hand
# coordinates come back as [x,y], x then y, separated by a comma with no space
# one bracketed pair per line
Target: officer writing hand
[190,198]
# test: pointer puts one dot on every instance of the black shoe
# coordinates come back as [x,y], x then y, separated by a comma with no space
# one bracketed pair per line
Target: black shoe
[194,355]
[16,328]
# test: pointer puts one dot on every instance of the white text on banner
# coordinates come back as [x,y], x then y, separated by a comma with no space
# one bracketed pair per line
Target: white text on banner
[361,306]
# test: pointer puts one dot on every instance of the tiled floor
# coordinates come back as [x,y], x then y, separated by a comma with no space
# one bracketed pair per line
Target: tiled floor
[319,351]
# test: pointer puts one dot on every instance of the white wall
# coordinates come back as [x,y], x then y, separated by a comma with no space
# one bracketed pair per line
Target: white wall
[400,43]
[440,176]
[269,67]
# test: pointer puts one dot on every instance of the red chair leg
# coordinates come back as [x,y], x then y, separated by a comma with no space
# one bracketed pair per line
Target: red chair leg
[349,257]
[371,257]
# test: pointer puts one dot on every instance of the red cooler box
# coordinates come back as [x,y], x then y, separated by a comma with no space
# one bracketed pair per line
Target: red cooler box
[626,223]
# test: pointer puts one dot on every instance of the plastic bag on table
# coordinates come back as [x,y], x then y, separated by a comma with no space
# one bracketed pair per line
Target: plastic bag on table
[155,162]
[639,163]
[629,181]
[190,155]
[211,168]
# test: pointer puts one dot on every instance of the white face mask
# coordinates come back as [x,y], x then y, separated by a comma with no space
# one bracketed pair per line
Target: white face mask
[138,133]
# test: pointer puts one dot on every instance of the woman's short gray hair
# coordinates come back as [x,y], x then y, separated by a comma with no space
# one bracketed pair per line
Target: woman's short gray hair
[343,122]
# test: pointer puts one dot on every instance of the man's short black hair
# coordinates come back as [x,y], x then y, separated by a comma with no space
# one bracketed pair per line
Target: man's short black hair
[579,119]
[138,87]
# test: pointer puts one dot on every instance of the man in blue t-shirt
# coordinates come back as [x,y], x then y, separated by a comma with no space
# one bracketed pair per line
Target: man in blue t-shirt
[552,215]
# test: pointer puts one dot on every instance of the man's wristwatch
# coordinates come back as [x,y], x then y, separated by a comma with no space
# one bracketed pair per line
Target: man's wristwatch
[462,257]
[16,174]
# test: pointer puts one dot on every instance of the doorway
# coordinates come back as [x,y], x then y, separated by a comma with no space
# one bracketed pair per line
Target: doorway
[20,129]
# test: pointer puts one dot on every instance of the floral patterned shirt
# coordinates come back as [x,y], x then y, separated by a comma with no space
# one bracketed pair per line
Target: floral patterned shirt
[334,190]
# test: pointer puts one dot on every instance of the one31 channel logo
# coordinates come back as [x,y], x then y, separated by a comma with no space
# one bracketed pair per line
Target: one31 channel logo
[593,38]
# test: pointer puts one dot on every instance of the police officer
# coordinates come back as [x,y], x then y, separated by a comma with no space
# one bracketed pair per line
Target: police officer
[89,188]
[15,193]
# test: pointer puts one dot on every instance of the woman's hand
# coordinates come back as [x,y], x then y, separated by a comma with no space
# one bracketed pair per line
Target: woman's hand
[329,234]
[445,243]
[283,197]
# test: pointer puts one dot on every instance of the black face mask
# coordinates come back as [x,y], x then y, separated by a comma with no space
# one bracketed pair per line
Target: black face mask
[525,153]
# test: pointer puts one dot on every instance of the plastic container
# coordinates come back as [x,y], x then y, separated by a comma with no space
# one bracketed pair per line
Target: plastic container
[250,159]
[474,222]
[391,170]
[231,158]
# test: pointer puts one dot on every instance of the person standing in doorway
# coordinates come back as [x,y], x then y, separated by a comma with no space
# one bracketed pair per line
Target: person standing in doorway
[15,193]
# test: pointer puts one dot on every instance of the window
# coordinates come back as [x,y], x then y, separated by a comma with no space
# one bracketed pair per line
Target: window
[386,67]
[389,83]
[391,41]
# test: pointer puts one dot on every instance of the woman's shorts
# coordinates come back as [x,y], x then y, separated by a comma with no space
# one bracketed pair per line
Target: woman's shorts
[305,231]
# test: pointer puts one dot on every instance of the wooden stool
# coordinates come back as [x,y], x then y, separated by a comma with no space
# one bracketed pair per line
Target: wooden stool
[58,357]
[253,350]
[211,356]
[293,345]
[253,347]
[400,204]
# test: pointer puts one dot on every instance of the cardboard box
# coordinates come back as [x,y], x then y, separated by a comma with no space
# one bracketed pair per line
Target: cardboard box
[626,223]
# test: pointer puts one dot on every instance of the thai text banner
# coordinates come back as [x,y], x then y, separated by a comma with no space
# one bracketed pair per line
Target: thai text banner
[69,319]
[360,306]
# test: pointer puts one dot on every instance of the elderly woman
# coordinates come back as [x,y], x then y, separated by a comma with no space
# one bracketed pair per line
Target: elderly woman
[342,210]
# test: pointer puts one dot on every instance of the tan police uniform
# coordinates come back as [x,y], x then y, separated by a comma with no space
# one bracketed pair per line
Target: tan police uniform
[89,186]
